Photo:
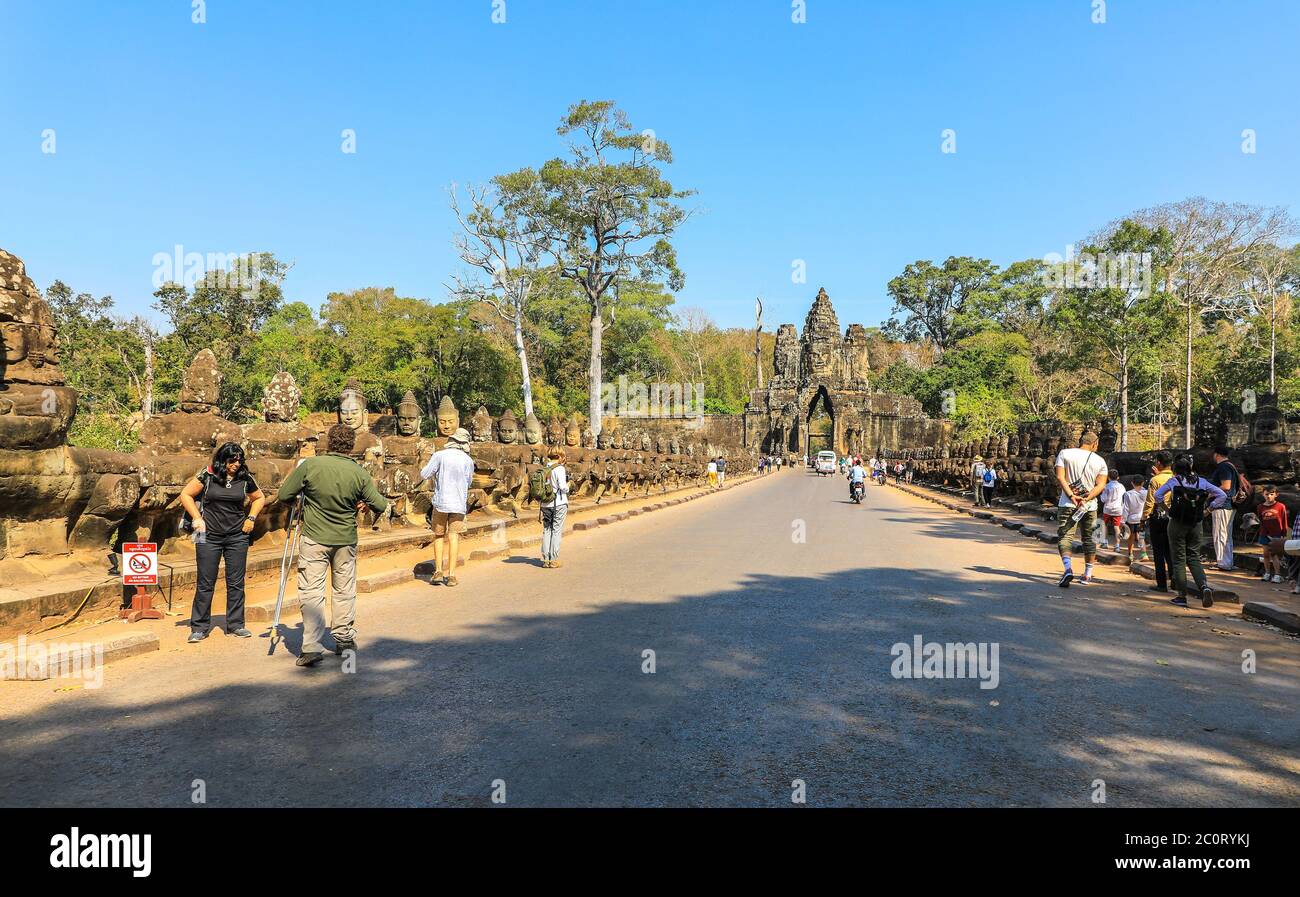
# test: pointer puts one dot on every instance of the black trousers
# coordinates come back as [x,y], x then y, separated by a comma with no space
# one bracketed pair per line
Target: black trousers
[209,554]
[1160,551]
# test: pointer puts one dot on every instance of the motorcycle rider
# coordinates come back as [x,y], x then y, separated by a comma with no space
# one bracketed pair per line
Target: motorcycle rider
[857,477]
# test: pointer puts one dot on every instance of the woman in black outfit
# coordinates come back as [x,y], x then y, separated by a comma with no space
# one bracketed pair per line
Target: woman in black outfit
[216,500]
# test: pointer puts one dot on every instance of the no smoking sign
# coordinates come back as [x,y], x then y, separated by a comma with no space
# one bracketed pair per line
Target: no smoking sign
[140,564]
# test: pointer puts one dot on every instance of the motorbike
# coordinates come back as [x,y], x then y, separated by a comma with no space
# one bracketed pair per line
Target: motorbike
[857,491]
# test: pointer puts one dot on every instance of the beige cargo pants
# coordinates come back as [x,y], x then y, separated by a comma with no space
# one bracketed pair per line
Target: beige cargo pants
[315,562]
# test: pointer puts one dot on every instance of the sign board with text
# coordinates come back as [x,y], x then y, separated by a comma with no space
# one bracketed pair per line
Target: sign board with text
[140,564]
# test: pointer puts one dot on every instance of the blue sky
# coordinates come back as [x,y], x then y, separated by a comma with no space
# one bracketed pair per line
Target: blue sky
[818,141]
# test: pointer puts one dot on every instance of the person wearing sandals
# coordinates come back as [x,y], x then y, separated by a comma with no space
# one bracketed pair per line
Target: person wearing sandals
[553,512]
[451,470]
[223,502]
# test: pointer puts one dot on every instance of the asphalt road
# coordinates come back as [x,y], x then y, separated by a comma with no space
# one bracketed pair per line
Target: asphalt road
[772,663]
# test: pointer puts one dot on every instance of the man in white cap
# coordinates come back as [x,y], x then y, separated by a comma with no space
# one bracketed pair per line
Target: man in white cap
[451,469]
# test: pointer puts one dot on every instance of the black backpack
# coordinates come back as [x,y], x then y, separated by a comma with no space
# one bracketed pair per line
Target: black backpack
[1187,503]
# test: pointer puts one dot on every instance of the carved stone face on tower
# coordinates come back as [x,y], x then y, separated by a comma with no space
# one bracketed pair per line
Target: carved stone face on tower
[532,430]
[572,433]
[508,428]
[821,341]
[408,415]
[785,362]
[481,426]
[280,399]
[448,417]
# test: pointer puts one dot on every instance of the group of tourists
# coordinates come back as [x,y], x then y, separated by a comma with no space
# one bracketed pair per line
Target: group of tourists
[717,470]
[984,479]
[223,502]
[1171,505]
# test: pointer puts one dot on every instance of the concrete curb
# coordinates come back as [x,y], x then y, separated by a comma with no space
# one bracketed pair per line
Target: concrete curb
[1262,611]
[79,655]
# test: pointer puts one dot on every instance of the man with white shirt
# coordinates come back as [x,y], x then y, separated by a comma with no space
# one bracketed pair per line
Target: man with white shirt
[1082,475]
[451,469]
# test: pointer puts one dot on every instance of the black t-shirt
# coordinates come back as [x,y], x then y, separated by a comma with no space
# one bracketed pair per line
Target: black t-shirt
[224,502]
[1226,471]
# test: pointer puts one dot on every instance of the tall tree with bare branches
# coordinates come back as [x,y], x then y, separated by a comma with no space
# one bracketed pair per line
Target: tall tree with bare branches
[501,238]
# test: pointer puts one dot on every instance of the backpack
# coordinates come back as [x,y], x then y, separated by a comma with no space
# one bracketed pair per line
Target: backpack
[1187,503]
[990,478]
[539,485]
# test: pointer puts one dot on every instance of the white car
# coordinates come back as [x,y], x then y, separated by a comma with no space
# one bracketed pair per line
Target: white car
[825,463]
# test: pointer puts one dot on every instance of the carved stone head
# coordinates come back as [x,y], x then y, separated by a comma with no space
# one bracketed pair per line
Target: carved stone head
[1107,438]
[280,399]
[408,415]
[604,440]
[532,430]
[573,433]
[508,428]
[588,438]
[480,427]
[352,406]
[1270,427]
[448,417]
[554,431]
[27,335]
[201,384]
[647,444]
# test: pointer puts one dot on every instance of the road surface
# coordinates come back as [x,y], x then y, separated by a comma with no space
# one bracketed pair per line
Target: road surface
[772,663]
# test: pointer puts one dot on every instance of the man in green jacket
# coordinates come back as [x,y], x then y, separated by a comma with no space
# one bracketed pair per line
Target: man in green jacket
[334,488]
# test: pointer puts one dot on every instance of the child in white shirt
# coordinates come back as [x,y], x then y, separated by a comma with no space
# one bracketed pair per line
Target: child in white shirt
[1132,502]
[1112,508]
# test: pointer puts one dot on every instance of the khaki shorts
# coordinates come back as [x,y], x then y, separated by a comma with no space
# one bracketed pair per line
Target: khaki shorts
[447,522]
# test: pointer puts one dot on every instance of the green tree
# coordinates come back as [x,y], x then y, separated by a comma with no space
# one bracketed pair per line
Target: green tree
[941,304]
[607,212]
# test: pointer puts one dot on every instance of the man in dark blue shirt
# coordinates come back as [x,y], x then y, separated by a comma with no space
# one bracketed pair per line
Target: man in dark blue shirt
[1226,478]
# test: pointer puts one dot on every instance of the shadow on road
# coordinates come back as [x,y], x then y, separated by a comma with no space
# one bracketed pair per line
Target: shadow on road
[778,678]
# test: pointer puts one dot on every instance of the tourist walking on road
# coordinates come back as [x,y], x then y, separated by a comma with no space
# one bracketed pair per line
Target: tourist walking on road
[977,480]
[713,473]
[451,470]
[1082,474]
[554,509]
[216,500]
[334,488]
[1228,479]
[1191,500]
[988,485]
[722,470]
[1156,516]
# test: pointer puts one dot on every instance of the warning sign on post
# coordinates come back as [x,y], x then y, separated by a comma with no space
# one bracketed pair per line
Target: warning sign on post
[140,564]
